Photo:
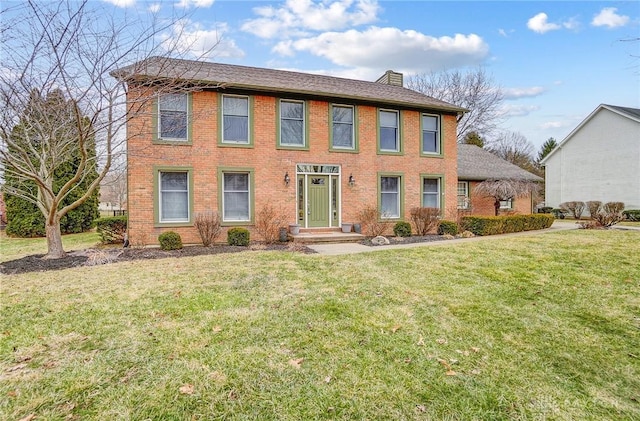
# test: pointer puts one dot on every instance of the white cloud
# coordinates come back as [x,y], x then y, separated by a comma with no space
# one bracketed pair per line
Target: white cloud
[121,3]
[539,24]
[513,110]
[297,17]
[194,3]
[382,48]
[192,39]
[609,18]
[154,8]
[556,125]
[517,93]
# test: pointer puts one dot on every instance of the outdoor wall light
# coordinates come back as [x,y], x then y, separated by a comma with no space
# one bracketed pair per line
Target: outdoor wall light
[352,180]
[287,179]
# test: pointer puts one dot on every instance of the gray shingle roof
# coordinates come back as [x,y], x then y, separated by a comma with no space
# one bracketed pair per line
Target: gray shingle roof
[476,164]
[632,112]
[280,81]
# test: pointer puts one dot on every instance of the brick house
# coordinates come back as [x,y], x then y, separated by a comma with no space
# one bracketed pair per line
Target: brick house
[476,165]
[318,148]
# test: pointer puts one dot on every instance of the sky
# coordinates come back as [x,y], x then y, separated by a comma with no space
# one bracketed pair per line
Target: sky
[556,61]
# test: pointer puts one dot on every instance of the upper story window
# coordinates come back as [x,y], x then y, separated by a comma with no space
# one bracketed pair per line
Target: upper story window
[292,123]
[430,134]
[342,132]
[389,135]
[173,116]
[235,119]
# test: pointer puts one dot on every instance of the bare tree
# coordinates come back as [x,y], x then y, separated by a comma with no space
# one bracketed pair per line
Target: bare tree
[515,148]
[506,189]
[474,90]
[71,47]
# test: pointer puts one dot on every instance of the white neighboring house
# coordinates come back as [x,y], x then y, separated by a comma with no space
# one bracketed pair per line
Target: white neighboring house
[598,160]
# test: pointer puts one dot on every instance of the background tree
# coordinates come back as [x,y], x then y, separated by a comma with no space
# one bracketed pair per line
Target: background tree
[515,148]
[546,148]
[501,190]
[474,90]
[72,47]
[24,217]
[473,138]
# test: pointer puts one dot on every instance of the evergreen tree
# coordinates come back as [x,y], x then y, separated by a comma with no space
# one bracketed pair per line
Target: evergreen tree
[24,213]
[474,138]
[546,148]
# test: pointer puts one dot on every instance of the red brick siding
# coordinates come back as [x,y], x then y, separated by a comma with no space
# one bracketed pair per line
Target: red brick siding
[205,156]
[484,205]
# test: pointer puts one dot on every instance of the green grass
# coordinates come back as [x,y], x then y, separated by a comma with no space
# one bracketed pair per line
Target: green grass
[539,327]
[14,248]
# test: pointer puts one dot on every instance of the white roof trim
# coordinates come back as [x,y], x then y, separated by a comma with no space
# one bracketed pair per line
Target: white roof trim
[611,108]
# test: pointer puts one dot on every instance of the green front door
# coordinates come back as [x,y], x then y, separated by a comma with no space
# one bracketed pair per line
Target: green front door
[318,200]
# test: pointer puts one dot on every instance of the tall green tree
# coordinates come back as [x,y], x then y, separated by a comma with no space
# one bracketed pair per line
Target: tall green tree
[546,148]
[24,210]
[474,138]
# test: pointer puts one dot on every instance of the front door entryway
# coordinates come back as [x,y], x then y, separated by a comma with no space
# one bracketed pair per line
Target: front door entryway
[318,206]
[318,191]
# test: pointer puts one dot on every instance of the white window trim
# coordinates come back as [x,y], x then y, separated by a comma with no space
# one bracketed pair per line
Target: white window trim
[398,197]
[237,142]
[438,193]
[159,122]
[248,191]
[438,143]
[380,126]
[160,191]
[304,125]
[353,127]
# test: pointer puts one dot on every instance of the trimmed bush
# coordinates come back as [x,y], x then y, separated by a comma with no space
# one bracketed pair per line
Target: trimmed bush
[238,236]
[112,229]
[170,241]
[558,213]
[424,219]
[632,215]
[575,208]
[402,229]
[447,228]
[545,209]
[492,225]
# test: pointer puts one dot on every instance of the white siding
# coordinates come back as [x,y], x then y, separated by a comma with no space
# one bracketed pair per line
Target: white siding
[601,161]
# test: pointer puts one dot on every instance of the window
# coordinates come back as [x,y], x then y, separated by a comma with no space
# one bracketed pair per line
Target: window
[390,197]
[389,133]
[292,128]
[506,204]
[236,197]
[235,119]
[173,116]
[463,195]
[431,192]
[430,134]
[342,132]
[174,196]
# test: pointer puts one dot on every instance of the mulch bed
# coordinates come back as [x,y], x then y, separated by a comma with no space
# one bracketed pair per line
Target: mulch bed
[91,257]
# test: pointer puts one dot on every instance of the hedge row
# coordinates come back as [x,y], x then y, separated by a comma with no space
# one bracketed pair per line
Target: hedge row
[112,229]
[491,225]
[632,215]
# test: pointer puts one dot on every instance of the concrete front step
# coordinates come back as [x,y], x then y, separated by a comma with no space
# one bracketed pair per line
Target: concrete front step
[312,236]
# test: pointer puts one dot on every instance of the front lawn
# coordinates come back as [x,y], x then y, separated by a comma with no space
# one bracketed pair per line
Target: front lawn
[543,326]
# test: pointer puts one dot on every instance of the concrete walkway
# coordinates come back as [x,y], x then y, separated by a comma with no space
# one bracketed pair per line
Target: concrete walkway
[351,248]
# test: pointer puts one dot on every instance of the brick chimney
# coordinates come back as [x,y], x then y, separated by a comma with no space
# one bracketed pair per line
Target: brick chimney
[391,78]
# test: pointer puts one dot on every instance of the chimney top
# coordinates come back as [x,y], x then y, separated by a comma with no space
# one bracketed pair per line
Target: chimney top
[391,78]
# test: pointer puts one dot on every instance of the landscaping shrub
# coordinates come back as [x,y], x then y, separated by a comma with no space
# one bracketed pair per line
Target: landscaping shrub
[112,229]
[491,225]
[372,224]
[545,209]
[268,223]
[447,228]
[402,229]
[593,206]
[238,236]
[609,214]
[575,208]
[424,219]
[208,226]
[558,213]
[170,241]
[632,215]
